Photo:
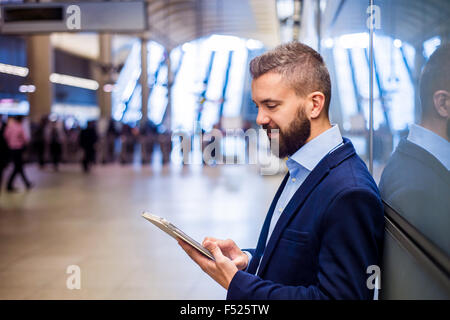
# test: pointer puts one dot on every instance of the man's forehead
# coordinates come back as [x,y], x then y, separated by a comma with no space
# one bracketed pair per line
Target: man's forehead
[269,78]
[270,87]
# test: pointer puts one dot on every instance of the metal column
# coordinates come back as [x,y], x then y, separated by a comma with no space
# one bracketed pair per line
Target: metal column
[40,63]
[144,80]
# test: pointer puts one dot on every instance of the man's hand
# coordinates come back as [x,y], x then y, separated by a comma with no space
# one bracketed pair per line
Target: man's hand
[222,270]
[231,251]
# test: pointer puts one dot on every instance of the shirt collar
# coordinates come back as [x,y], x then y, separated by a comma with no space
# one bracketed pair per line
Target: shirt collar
[312,152]
[430,141]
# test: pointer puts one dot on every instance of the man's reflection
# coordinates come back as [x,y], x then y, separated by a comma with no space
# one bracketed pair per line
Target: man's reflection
[416,180]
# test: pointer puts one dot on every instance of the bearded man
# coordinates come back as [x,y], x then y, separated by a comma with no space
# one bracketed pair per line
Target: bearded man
[324,229]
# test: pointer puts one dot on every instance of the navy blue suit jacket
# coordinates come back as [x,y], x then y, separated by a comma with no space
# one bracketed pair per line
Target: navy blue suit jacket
[330,232]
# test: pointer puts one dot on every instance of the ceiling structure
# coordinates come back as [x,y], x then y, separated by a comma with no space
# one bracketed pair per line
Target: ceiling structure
[411,21]
[174,22]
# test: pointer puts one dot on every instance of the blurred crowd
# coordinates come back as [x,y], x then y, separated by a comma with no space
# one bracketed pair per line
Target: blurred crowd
[53,141]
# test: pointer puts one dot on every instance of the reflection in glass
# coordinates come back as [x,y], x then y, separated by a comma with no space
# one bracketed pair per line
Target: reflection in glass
[416,180]
[415,177]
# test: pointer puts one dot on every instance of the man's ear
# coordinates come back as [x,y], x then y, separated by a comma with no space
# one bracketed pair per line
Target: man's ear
[441,101]
[318,102]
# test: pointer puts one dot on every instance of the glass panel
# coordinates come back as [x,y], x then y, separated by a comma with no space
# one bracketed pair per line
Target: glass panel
[412,144]
[127,82]
[345,56]
[201,84]
[411,116]
[415,179]
[132,112]
[157,77]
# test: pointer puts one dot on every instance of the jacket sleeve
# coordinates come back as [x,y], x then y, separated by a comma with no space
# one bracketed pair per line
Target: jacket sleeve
[351,235]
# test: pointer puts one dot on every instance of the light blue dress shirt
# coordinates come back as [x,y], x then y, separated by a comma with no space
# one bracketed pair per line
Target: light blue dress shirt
[430,141]
[300,165]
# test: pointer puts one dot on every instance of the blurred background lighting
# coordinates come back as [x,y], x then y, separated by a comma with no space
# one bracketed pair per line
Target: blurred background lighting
[14,70]
[328,43]
[398,43]
[27,88]
[354,40]
[74,81]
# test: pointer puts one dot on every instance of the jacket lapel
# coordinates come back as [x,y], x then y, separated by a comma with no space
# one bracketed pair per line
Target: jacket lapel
[314,178]
[296,201]
[254,262]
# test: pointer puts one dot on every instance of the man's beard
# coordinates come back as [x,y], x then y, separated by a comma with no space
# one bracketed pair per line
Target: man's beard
[294,137]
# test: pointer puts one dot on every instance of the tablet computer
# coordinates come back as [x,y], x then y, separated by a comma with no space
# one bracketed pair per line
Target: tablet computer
[174,232]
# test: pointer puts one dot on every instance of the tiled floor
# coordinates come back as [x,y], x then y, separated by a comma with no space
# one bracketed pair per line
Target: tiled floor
[93,221]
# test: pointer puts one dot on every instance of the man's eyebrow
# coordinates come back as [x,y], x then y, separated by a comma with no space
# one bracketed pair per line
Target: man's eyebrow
[266,101]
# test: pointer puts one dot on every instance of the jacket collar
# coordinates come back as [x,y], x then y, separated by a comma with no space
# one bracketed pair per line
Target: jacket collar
[309,155]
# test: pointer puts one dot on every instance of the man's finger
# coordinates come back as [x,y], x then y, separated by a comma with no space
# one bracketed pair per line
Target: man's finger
[228,245]
[210,239]
[214,249]
[240,262]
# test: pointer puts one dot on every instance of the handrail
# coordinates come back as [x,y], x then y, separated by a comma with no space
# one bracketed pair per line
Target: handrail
[418,245]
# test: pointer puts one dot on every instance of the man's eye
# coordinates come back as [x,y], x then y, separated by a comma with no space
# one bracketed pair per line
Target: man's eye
[272,106]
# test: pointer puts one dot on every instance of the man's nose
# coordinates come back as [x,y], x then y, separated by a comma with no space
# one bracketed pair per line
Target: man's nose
[262,118]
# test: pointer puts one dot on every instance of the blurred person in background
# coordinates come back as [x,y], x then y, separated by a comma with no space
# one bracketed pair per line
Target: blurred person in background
[128,140]
[111,136]
[73,139]
[56,142]
[4,151]
[102,128]
[165,143]
[148,136]
[17,140]
[88,139]
[39,141]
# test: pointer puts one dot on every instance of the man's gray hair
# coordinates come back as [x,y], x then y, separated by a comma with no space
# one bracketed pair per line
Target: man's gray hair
[301,66]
